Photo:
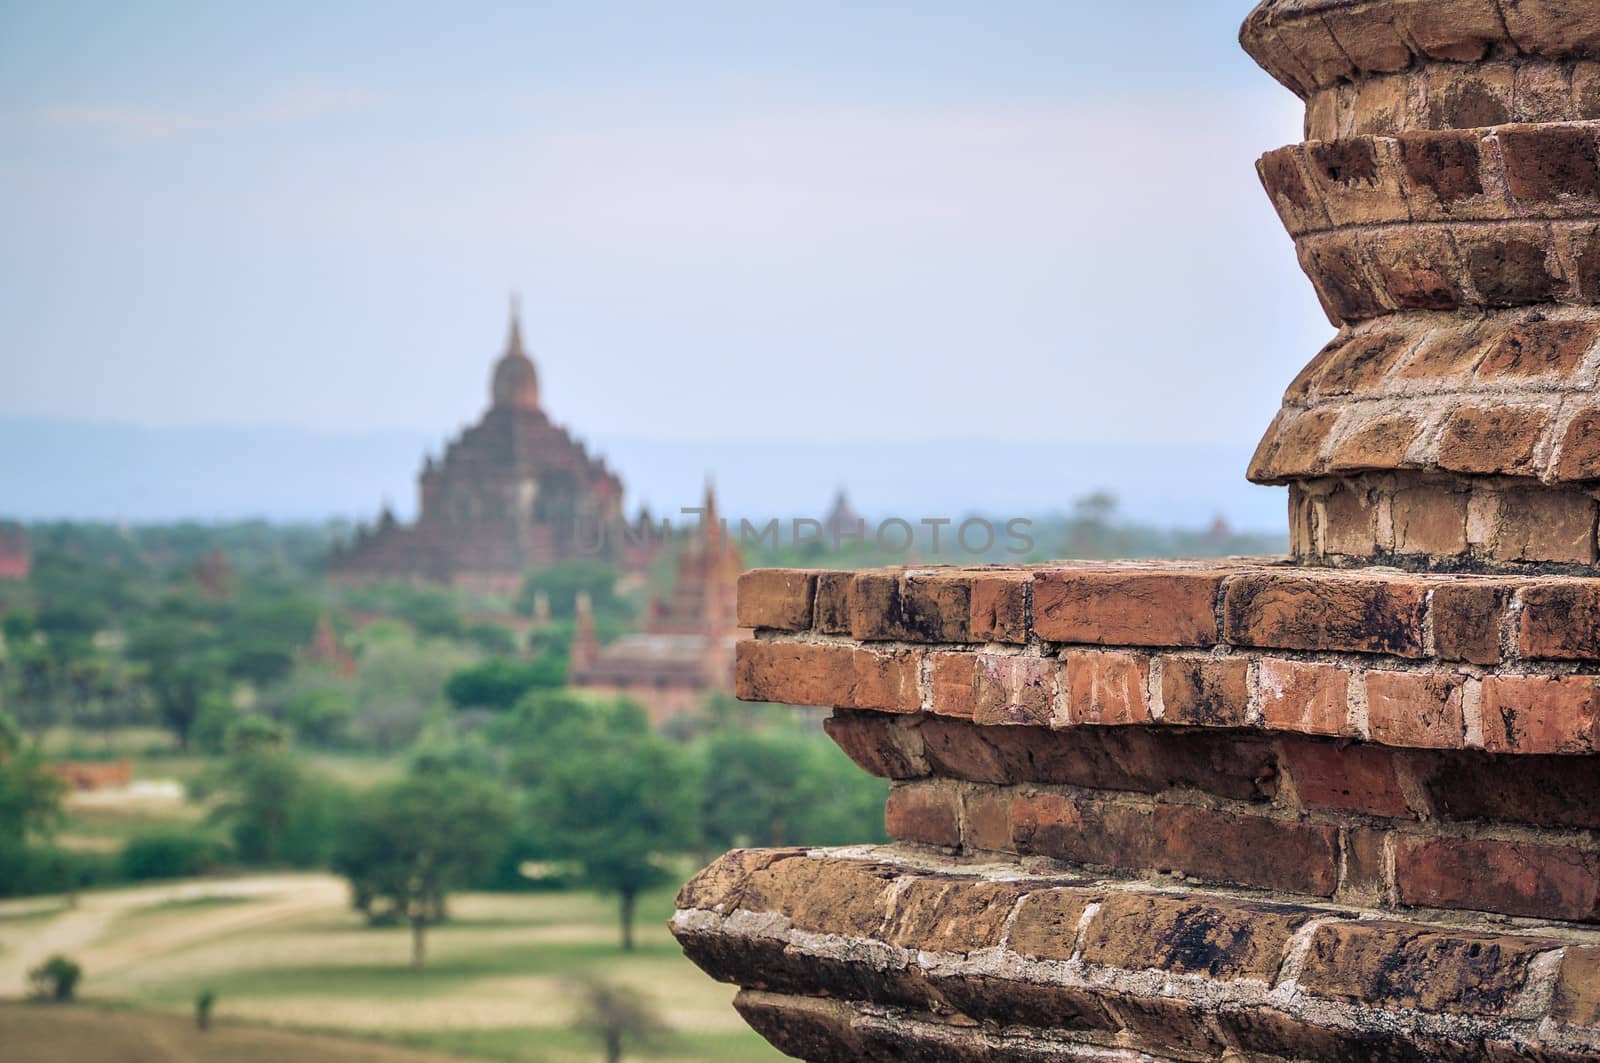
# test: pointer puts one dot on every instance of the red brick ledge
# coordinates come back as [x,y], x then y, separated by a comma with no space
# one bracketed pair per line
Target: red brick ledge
[1113,965]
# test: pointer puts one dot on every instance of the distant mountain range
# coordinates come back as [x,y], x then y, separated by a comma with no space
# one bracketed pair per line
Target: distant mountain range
[96,470]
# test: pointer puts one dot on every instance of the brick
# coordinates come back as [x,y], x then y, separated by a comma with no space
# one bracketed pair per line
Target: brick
[1360,365]
[999,607]
[778,598]
[1461,31]
[845,677]
[1442,168]
[1337,271]
[1547,164]
[1391,965]
[1350,527]
[1304,696]
[1294,448]
[1416,709]
[1541,714]
[1539,348]
[951,915]
[1107,687]
[720,886]
[1379,444]
[826,896]
[1009,1001]
[1418,268]
[1580,447]
[1354,778]
[1355,180]
[1290,189]
[1577,998]
[1470,97]
[889,747]
[831,614]
[954,683]
[1561,620]
[1046,927]
[1429,519]
[1546,525]
[1014,690]
[1326,613]
[1466,620]
[1212,845]
[1138,932]
[925,812]
[803,1027]
[1126,607]
[1366,874]
[956,749]
[1205,691]
[1492,439]
[1512,878]
[1542,790]
[1449,354]
[910,607]
[987,815]
[1508,265]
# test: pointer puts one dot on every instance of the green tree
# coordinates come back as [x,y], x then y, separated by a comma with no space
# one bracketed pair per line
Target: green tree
[407,845]
[30,802]
[562,583]
[617,801]
[500,683]
[183,669]
[617,1017]
[753,788]
[276,812]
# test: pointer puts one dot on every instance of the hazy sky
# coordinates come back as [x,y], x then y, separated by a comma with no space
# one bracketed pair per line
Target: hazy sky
[844,220]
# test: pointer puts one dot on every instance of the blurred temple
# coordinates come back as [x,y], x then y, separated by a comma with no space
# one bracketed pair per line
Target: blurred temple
[513,492]
[14,556]
[686,649]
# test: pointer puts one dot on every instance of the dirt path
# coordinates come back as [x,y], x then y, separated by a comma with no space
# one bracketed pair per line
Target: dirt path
[76,931]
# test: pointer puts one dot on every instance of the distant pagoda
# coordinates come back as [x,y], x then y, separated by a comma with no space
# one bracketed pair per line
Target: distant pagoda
[513,493]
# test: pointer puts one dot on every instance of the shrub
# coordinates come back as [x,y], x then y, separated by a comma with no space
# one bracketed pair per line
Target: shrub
[168,854]
[56,979]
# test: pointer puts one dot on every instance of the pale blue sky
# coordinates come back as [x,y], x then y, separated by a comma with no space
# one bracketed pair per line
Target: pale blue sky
[728,220]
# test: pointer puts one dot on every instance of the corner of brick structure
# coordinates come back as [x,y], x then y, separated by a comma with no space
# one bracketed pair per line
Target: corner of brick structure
[1339,806]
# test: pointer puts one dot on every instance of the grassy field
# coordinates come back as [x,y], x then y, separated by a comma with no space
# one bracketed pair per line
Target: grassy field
[286,952]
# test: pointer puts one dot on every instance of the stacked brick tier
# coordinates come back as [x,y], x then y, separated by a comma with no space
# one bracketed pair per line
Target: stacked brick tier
[1266,810]
[1446,206]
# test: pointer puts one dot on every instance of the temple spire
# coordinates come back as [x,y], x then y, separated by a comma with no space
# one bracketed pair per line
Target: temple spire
[514,335]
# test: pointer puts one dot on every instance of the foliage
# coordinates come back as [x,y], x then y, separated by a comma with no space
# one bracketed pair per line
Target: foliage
[612,797]
[407,845]
[55,980]
[204,1001]
[617,1017]
[168,854]
[30,804]
[276,812]
[401,686]
[500,683]
[562,584]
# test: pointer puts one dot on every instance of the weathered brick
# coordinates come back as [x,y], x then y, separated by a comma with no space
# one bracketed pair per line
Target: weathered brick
[1577,998]
[778,598]
[1508,264]
[1326,613]
[1014,690]
[826,896]
[804,1027]
[1183,936]
[1551,163]
[1000,606]
[720,886]
[911,607]
[1394,965]
[831,614]
[1355,778]
[1010,1001]
[1466,620]
[1366,874]
[1107,687]
[1541,714]
[1539,348]
[1379,444]
[889,747]
[1418,268]
[1046,927]
[845,677]
[987,816]
[1580,447]
[1293,445]
[1538,789]
[1416,709]
[1442,168]
[1205,691]
[1561,620]
[1451,355]
[954,681]
[1513,878]
[1126,607]
[1360,364]
[1429,519]
[943,914]
[1209,844]
[1546,525]
[1304,697]
[1492,439]
[1350,521]
[928,812]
